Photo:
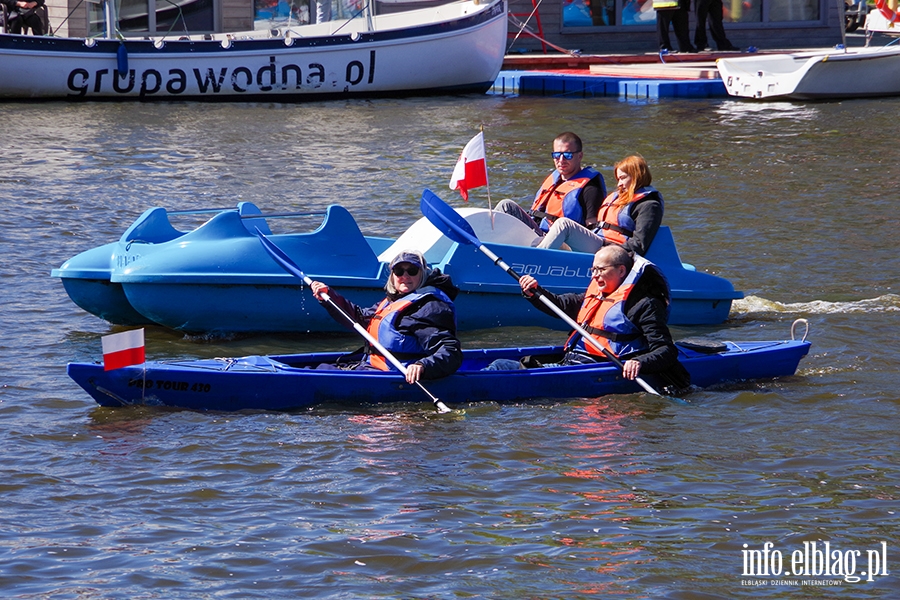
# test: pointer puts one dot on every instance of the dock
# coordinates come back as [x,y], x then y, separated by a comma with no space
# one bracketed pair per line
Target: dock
[630,77]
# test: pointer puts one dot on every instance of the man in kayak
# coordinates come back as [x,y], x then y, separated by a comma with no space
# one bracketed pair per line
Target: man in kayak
[570,191]
[625,308]
[416,322]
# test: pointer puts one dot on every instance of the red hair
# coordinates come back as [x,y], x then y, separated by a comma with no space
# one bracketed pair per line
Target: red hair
[637,168]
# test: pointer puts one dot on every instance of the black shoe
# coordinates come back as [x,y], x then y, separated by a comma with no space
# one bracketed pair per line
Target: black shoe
[530,362]
[730,49]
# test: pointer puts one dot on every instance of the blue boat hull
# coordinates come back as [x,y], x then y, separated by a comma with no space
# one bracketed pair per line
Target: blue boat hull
[291,382]
[218,279]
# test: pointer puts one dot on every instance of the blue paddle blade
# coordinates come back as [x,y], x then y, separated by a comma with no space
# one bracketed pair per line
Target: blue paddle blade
[280,257]
[448,221]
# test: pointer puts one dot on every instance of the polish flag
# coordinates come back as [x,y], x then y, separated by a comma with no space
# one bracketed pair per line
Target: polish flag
[471,168]
[123,349]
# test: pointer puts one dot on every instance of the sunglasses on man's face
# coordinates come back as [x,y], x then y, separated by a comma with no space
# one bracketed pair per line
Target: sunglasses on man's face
[399,270]
[565,155]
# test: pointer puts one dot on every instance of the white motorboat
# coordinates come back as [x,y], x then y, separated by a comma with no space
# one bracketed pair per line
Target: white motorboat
[814,75]
[452,48]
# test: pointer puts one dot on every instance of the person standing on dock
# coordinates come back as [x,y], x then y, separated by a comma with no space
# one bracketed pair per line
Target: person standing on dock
[570,191]
[676,12]
[23,15]
[713,10]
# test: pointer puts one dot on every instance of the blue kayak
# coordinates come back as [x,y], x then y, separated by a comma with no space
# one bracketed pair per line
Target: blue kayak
[291,382]
[218,279]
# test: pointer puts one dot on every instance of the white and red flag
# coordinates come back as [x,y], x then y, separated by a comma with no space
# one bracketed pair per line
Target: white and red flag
[471,168]
[123,349]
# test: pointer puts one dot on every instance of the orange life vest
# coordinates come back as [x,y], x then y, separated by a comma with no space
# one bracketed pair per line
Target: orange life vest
[614,222]
[558,198]
[383,327]
[604,318]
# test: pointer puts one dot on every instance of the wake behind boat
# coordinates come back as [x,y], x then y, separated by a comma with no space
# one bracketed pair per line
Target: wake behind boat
[291,382]
[452,48]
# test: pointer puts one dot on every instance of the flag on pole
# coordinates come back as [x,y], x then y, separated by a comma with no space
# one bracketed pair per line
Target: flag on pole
[123,349]
[471,168]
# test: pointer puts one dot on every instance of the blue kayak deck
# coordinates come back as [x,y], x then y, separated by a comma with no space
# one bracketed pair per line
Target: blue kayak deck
[293,382]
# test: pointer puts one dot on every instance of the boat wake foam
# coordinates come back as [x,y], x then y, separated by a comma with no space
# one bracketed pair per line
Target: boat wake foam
[753,305]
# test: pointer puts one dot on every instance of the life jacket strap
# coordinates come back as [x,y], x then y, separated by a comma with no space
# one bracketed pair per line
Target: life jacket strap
[611,336]
[622,230]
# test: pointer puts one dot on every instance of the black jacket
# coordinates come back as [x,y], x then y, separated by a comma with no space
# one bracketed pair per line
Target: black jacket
[647,214]
[646,307]
[431,321]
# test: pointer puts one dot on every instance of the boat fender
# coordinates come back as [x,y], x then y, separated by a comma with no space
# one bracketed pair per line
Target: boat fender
[122,60]
[702,345]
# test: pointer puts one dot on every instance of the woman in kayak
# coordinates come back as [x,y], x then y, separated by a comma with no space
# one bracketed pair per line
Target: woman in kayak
[629,217]
[416,322]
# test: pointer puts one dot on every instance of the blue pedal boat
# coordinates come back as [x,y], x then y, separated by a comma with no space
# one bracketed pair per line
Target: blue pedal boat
[291,382]
[217,279]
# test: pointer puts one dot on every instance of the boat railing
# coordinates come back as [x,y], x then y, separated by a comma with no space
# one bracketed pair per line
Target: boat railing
[201,211]
[282,215]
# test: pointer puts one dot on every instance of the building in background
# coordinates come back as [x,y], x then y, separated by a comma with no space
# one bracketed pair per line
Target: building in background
[591,26]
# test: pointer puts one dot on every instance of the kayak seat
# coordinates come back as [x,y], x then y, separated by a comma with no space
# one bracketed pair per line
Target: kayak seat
[702,345]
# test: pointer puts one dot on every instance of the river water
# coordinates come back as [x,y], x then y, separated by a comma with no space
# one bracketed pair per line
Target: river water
[624,496]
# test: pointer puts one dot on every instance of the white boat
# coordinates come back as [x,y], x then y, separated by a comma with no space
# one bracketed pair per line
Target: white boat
[452,48]
[814,75]
[881,19]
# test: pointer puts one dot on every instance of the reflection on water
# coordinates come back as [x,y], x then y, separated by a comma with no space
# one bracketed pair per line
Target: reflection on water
[756,114]
[625,495]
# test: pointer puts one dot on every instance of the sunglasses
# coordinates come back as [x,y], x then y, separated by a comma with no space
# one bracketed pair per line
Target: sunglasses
[565,155]
[399,270]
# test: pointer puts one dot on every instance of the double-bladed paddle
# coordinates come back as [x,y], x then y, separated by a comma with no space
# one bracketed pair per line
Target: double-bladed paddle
[291,267]
[454,226]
